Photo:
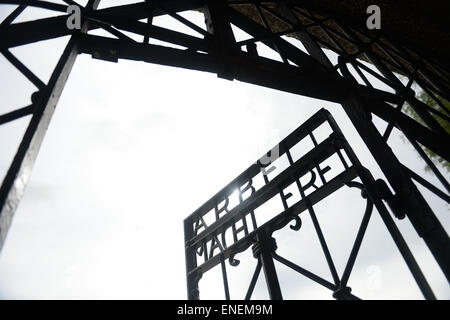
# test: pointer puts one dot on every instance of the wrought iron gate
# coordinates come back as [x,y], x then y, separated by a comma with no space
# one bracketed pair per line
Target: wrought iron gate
[305,70]
[206,242]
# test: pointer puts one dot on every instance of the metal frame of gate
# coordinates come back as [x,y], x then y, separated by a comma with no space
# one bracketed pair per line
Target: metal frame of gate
[305,71]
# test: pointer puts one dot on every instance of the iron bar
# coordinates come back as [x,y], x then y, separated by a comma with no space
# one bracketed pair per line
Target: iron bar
[18,173]
[374,196]
[225,279]
[358,241]
[430,164]
[428,185]
[49,28]
[255,276]
[324,245]
[13,15]
[310,74]
[16,114]
[22,68]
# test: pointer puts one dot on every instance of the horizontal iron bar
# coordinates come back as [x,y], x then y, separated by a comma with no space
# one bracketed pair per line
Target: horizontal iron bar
[16,114]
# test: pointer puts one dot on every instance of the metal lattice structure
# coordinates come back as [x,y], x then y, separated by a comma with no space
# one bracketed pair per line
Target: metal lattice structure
[207,244]
[304,71]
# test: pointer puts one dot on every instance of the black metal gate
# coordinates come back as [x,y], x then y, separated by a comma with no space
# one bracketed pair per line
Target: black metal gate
[308,71]
[207,244]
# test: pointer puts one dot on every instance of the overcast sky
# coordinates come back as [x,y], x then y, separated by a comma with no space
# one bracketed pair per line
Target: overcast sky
[134,148]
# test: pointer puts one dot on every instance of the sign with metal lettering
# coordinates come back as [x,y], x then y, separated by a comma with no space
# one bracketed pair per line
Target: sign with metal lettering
[314,164]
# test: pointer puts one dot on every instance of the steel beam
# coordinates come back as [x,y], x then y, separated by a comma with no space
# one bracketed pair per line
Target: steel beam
[416,208]
[19,172]
[263,250]
[255,70]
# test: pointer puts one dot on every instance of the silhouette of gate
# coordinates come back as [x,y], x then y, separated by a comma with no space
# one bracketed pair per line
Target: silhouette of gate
[395,60]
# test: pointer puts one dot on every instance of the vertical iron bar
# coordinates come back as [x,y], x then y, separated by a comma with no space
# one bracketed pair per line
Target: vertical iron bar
[191,261]
[220,31]
[16,114]
[415,206]
[149,22]
[18,174]
[316,224]
[270,273]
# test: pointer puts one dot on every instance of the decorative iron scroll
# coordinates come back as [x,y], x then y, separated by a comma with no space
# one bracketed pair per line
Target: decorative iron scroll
[221,228]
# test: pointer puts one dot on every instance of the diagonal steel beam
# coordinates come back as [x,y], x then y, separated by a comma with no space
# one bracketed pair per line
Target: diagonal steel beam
[17,177]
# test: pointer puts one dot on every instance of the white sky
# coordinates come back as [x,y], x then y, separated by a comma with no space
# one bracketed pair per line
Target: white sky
[134,148]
